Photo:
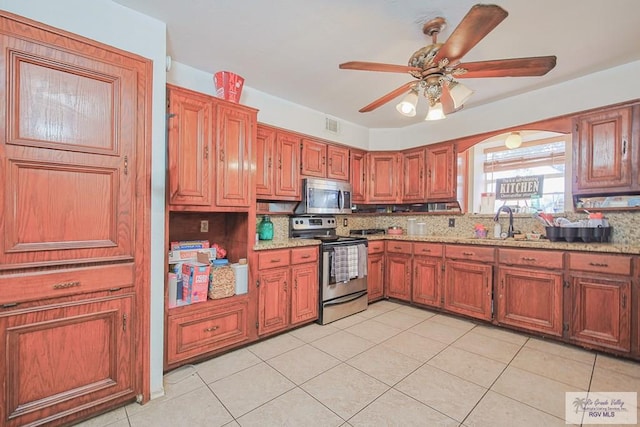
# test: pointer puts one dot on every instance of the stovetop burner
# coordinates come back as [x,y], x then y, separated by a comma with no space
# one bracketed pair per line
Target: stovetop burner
[367,231]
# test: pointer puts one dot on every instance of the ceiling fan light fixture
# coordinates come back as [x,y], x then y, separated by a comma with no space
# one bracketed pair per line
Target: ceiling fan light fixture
[407,107]
[514,140]
[435,112]
[459,93]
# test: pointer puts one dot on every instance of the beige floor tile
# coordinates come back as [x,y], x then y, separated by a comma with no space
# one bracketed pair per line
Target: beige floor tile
[197,408]
[181,381]
[303,363]
[114,418]
[378,308]
[557,368]
[314,331]
[348,321]
[343,345]
[415,346]
[274,346]
[442,391]
[384,364]
[456,322]
[564,350]
[373,330]
[294,408]
[226,364]
[469,366]
[396,409]
[623,366]
[248,389]
[501,334]
[437,331]
[233,423]
[496,410]
[414,311]
[608,380]
[534,390]
[344,390]
[398,319]
[492,348]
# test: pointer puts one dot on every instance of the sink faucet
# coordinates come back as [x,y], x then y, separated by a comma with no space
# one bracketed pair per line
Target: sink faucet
[510,212]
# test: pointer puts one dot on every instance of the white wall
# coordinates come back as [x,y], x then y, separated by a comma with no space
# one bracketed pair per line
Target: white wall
[591,91]
[115,25]
[273,110]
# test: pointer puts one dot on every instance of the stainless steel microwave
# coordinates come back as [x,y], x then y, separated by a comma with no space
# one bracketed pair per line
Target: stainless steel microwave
[322,196]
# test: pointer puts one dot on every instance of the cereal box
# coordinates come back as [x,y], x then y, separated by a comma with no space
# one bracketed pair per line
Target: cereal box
[195,282]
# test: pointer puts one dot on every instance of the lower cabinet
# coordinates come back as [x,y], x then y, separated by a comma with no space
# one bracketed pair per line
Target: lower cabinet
[375,270]
[287,288]
[62,358]
[398,270]
[427,273]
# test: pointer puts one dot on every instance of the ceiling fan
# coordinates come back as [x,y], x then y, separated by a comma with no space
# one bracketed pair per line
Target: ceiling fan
[437,66]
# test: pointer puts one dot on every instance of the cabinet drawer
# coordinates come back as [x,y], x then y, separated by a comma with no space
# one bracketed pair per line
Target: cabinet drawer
[301,255]
[471,253]
[427,249]
[38,285]
[193,334]
[376,246]
[271,259]
[545,259]
[609,264]
[398,247]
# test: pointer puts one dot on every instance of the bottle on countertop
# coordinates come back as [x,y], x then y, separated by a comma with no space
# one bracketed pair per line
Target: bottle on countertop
[265,228]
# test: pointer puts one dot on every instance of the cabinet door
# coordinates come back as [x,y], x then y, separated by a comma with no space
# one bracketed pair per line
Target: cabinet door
[65,358]
[602,155]
[441,172]
[398,276]
[233,149]
[530,299]
[426,286]
[314,158]
[273,301]
[288,167]
[358,173]
[375,276]
[265,152]
[413,186]
[304,295]
[337,162]
[601,311]
[467,288]
[384,177]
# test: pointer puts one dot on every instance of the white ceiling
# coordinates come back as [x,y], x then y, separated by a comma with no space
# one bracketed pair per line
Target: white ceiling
[291,48]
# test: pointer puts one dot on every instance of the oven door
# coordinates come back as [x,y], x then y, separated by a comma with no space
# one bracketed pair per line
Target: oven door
[329,289]
[344,306]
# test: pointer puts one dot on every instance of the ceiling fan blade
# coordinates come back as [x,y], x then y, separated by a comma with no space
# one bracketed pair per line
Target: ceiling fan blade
[376,66]
[516,67]
[477,23]
[388,97]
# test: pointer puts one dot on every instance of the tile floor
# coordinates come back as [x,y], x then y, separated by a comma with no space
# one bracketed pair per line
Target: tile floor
[392,365]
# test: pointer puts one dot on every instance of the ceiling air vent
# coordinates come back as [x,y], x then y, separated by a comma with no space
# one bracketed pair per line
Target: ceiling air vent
[331,125]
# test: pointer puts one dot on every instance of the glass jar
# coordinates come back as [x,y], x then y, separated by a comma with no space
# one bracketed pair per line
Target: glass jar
[265,228]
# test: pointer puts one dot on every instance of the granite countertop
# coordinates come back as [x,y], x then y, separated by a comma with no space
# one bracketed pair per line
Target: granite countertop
[530,244]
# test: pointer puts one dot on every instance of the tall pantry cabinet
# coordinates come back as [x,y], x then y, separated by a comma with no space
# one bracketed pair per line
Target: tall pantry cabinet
[74,224]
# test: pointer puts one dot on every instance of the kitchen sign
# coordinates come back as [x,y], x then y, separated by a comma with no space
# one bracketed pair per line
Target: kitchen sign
[520,187]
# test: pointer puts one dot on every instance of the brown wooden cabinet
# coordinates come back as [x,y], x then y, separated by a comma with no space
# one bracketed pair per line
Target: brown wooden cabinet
[375,270]
[304,295]
[74,202]
[427,274]
[414,183]
[398,270]
[604,151]
[287,167]
[384,177]
[323,160]
[210,152]
[441,172]
[600,290]
[358,172]
[265,155]
[468,280]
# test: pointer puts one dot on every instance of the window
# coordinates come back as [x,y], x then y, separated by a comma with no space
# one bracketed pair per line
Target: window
[538,155]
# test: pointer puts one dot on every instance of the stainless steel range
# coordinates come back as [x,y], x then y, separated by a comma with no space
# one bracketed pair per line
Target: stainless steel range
[343,267]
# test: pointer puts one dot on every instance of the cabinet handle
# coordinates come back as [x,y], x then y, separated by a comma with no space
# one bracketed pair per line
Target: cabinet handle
[305,256]
[467,253]
[323,160]
[124,322]
[624,146]
[426,250]
[269,162]
[275,260]
[599,264]
[295,283]
[429,173]
[420,173]
[66,285]
[206,152]
[416,271]
[624,301]
[526,258]
[126,165]
[285,286]
[397,247]
[280,163]
[222,155]
[211,329]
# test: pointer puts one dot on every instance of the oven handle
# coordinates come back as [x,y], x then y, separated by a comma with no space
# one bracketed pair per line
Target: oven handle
[346,298]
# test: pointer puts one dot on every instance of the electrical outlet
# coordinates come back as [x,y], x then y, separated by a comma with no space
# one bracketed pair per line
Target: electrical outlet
[204,226]
[452,222]
[345,222]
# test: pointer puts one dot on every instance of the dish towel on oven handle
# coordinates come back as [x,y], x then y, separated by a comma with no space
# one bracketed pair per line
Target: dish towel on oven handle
[352,257]
[362,261]
[340,264]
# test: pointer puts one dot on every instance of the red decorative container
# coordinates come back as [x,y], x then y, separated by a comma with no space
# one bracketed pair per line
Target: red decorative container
[228,85]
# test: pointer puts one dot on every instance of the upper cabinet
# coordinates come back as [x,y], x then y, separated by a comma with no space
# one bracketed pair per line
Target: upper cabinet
[324,160]
[358,173]
[384,177]
[287,169]
[210,149]
[605,151]
[441,172]
[413,186]
[265,153]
